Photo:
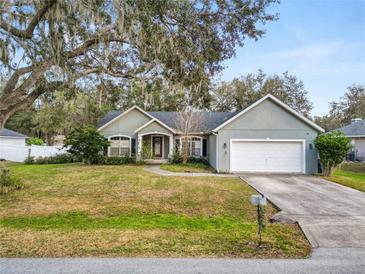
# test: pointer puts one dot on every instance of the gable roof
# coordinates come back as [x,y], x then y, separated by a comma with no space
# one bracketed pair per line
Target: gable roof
[152,121]
[355,129]
[210,120]
[11,133]
[277,101]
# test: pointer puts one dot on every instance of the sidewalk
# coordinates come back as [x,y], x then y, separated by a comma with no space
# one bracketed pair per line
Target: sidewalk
[157,170]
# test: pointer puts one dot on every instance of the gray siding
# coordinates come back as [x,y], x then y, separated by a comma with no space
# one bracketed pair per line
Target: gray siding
[154,128]
[359,146]
[212,149]
[126,125]
[267,120]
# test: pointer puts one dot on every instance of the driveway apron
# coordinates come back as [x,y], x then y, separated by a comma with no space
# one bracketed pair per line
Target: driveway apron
[330,215]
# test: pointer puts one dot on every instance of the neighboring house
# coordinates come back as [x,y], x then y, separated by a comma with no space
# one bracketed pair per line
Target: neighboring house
[356,131]
[268,136]
[10,137]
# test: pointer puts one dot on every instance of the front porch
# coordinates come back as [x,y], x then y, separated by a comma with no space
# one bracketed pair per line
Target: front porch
[155,148]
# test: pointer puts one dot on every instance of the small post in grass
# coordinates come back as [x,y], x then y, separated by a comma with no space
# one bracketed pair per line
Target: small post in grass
[260,202]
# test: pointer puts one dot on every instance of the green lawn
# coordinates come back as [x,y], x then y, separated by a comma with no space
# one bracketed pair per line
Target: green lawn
[188,167]
[79,210]
[351,175]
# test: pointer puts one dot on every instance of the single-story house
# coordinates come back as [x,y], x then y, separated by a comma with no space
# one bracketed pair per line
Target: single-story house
[267,136]
[356,131]
[13,138]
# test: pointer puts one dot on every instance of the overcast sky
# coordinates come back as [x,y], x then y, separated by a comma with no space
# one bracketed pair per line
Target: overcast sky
[321,42]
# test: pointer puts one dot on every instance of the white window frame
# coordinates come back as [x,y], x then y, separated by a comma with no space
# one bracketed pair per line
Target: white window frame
[130,144]
[190,146]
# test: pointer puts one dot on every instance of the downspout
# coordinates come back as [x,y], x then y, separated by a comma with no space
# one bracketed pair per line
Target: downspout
[217,151]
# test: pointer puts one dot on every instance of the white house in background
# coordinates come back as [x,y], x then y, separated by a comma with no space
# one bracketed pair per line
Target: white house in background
[356,131]
[12,138]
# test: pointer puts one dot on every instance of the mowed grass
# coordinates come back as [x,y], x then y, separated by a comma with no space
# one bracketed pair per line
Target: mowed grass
[79,210]
[188,167]
[350,175]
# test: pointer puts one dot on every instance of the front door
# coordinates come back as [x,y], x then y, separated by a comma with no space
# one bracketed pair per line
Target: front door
[157,146]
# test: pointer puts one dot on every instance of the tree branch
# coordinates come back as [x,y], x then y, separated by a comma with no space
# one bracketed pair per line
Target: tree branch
[81,50]
[28,33]
[11,83]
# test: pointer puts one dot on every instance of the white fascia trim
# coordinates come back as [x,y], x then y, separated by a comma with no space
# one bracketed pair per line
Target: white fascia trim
[355,136]
[150,122]
[276,100]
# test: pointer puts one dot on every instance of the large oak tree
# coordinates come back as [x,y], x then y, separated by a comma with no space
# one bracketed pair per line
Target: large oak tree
[350,106]
[53,44]
[242,92]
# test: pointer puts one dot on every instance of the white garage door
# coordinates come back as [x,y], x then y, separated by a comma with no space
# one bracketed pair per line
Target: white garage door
[267,156]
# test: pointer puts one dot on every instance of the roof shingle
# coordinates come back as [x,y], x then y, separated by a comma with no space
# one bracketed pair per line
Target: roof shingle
[356,128]
[11,133]
[209,120]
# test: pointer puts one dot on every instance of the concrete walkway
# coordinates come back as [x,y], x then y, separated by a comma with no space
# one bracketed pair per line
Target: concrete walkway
[323,260]
[330,215]
[157,170]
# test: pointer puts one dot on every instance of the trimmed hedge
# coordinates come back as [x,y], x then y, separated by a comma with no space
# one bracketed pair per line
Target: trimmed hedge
[121,160]
[177,159]
[69,158]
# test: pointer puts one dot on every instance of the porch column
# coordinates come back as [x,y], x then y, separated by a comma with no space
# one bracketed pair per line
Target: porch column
[171,145]
[139,147]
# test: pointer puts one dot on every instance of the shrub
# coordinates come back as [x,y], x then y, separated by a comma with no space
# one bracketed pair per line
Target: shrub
[7,182]
[87,144]
[35,141]
[29,160]
[146,152]
[198,160]
[122,160]
[176,158]
[57,159]
[332,148]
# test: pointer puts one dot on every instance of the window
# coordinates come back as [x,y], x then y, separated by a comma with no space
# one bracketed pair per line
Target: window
[177,145]
[194,146]
[133,148]
[120,146]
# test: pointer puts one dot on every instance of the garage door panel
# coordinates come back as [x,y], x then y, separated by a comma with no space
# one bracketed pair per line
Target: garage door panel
[267,156]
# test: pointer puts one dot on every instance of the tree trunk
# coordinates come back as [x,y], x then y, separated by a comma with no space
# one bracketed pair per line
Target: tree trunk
[327,170]
[185,153]
[4,116]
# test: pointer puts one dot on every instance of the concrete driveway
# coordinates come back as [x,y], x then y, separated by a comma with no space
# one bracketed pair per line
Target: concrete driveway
[329,214]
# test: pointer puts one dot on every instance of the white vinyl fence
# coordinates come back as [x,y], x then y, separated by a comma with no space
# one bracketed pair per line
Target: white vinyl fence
[19,153]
